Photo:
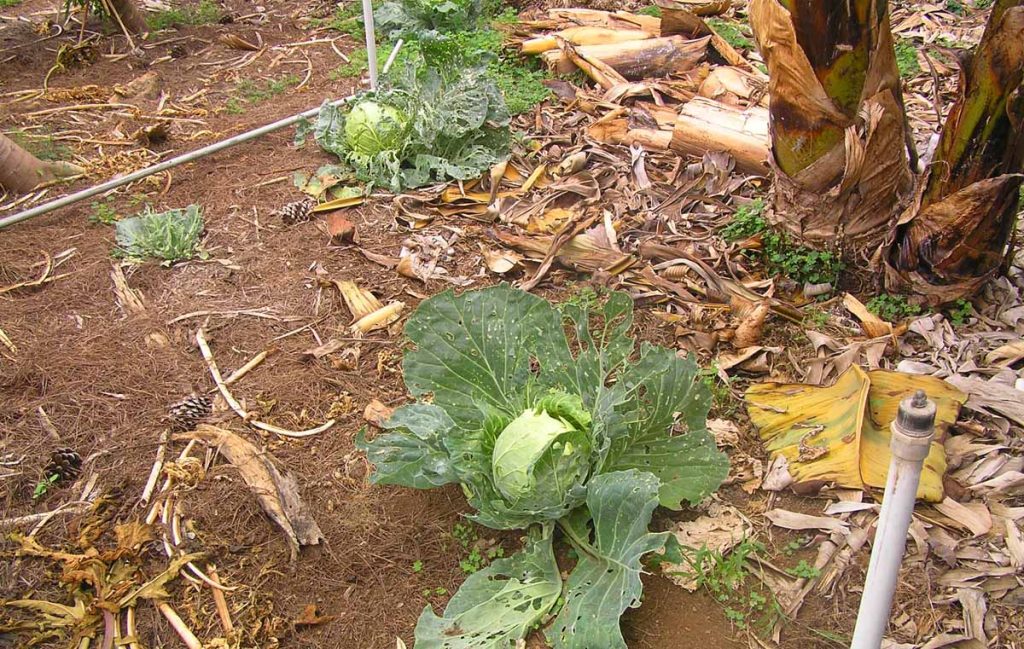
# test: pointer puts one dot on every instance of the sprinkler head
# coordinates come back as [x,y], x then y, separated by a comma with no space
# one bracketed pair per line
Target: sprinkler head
[916,415]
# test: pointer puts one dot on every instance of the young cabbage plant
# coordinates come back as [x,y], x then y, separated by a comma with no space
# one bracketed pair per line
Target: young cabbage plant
[545,430]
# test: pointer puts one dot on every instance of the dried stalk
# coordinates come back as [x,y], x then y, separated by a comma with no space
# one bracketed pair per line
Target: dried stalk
[245,369]
[154,473]
[220,602]
[186,635]
[211,363]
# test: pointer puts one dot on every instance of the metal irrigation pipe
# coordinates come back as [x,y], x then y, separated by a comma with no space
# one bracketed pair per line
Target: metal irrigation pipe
[371,42]
[912,435]
[163,166]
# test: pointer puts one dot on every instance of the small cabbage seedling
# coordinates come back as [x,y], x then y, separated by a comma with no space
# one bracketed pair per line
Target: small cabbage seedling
[540,432]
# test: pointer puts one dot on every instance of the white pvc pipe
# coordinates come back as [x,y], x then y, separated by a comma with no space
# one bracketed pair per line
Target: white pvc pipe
[910,446]
[163,166]
[371,42]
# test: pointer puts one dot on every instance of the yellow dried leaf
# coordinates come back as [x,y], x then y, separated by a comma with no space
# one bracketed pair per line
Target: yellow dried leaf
[549,221]
[840,434]
[872,325]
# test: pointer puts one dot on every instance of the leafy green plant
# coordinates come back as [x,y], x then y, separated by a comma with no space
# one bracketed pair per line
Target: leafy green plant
[804,570]
[816,318]
[254,92]
[540,433]
[9,3]
[453,125]
[205,13]
[103,213]
[44,485]
[960,312]
[731,33]
[747,222]
[906,58]
[356,66]
[892,307]
[425,19]
[956,7]
[417,566]
[651,10]
[724,576]
[779,255]
[172,235]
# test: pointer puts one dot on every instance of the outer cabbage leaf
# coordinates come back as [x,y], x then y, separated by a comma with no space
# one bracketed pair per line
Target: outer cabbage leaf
[606,581]
[499,604]
[665,387]
[414,455]
[474,353]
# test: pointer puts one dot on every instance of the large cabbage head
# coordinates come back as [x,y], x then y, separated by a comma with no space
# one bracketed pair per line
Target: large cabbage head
[371,128]
[543,454]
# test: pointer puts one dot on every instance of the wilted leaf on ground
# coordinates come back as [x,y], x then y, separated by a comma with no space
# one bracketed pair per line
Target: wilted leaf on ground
[840,434]
[277,492]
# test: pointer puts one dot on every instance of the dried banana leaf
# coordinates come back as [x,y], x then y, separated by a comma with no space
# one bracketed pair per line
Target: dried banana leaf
[840,434]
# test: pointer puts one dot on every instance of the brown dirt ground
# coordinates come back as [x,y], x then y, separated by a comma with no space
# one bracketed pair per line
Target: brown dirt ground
[106,385]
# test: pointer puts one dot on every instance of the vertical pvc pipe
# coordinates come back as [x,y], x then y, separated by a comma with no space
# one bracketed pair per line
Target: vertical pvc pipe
[912,435]
[371,42]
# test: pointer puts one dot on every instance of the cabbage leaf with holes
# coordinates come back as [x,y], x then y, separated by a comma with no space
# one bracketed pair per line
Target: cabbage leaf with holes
[422,125]
[549,419]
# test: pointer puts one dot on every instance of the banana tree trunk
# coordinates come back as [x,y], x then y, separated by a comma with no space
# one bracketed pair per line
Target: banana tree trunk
[20,171]
[132,18]
[959,232]
[839,135]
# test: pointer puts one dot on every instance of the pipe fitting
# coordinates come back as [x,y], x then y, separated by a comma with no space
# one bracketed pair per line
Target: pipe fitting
[914,428]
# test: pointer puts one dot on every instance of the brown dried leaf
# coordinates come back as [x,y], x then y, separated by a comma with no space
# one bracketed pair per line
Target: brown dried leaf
[377,413]
[277,492]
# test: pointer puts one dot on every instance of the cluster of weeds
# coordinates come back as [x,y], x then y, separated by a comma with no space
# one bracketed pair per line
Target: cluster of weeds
[254,92]
[816,318]
[358,62]
[103,213]
[780,255]
[731,33]
[804,570]
[519,79]
[582,297]
[652,10]
[959,313]
[724,576]
[205,13]
[476,557]
[906,58]
[42,146]
[172,235]
[9,3]
[722,402]
[892,307]
[956,7]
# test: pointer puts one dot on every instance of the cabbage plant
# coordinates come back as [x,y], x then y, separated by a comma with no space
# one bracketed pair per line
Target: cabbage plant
[543,430]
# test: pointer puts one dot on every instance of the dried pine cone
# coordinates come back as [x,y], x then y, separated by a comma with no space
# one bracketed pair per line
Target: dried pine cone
[297,212]
[189,412]
[65,463]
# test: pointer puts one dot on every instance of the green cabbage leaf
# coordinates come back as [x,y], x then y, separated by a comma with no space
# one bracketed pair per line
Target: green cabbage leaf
[548,417]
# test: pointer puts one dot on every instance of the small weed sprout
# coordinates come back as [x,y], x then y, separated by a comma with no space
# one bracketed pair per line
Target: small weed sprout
[44,485]
[417,566]
[804,570]
[906,58]
[960,313]
[205,13]
[892,307]
[103,213]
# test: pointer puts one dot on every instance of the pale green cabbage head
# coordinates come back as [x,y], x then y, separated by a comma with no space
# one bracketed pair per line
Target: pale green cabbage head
[544,453]
[371,128]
